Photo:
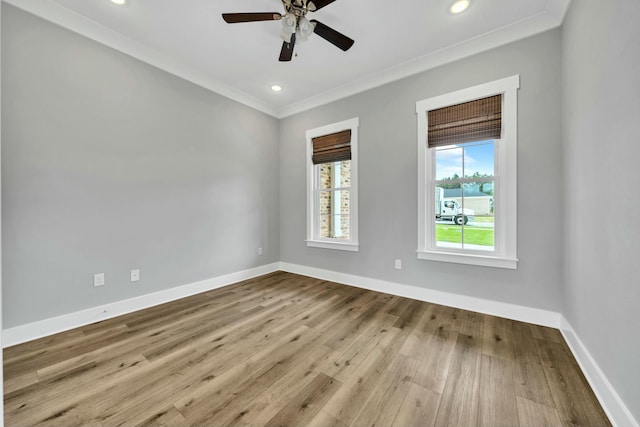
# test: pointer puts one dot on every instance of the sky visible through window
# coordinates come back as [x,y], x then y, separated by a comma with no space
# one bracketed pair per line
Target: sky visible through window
[478,158]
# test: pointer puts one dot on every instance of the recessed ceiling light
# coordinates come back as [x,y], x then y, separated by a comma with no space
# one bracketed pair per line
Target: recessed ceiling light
[276,88]
[119,2]
[459,6]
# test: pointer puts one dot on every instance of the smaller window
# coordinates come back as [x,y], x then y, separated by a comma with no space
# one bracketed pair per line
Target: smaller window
[332,196]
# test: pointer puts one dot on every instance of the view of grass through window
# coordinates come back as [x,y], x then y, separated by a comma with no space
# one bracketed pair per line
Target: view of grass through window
[464,191]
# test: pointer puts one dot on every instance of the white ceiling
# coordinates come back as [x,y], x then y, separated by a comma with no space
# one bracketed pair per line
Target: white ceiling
[393,39]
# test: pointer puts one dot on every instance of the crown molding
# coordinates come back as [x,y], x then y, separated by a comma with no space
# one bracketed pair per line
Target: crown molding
[77,23]
[558,9]
[552,17]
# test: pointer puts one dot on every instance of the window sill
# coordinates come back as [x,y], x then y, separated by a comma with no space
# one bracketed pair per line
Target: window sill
[471,259]
[351,247]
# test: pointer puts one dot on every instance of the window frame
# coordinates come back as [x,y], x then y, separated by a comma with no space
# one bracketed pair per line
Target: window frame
[313,174]
[505,179]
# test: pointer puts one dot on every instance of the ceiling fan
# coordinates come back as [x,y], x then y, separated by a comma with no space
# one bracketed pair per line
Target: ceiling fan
[295,25]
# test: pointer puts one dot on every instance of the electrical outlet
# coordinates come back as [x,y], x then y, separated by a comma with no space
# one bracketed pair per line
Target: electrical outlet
[398,264]
[135,275]
[98,279]
[260,251]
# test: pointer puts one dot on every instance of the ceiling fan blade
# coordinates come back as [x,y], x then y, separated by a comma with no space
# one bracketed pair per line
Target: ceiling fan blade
[314,5]
[287,49]
[332,36]
[233,18]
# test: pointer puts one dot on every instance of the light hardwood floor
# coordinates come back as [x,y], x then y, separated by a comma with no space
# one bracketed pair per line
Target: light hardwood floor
[288,350]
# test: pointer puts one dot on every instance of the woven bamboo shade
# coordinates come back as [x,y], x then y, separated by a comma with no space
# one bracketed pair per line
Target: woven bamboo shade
[334,147]
[466,122]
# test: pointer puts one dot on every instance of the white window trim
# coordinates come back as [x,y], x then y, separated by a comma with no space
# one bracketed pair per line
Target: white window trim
[312,241]
[505,182]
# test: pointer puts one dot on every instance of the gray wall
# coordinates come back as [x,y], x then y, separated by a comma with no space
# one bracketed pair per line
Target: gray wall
[601,95]
[109,164]
[388,184]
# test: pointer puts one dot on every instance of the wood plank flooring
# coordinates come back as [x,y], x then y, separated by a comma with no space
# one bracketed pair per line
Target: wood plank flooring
[288,350]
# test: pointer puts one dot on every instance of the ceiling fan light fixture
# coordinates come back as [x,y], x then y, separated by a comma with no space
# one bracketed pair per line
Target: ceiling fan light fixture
[276,88]
[285,36]
[305,29]
[459,6]
[289,22]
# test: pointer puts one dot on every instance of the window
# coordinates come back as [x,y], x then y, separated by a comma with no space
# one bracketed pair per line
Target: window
[332,190]
[467,167]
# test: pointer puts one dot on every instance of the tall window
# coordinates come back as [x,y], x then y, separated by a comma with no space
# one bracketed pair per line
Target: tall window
[467,154]
[332,186]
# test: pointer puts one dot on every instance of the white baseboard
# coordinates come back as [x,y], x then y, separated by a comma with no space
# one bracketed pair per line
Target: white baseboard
[611,402]
[494,308]
[616,410]
[46,327]
[613,405]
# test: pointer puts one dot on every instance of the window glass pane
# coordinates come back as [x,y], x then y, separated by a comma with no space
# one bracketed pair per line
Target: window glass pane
[334,209]
[343,220]
[335,175]
[325,226]
[479,159]
[344,197]
[449,162]
[448,234]
[465,216]
[334,227]
[464,211]
[326,175]
[325,202]
[478,227]
[343,179]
